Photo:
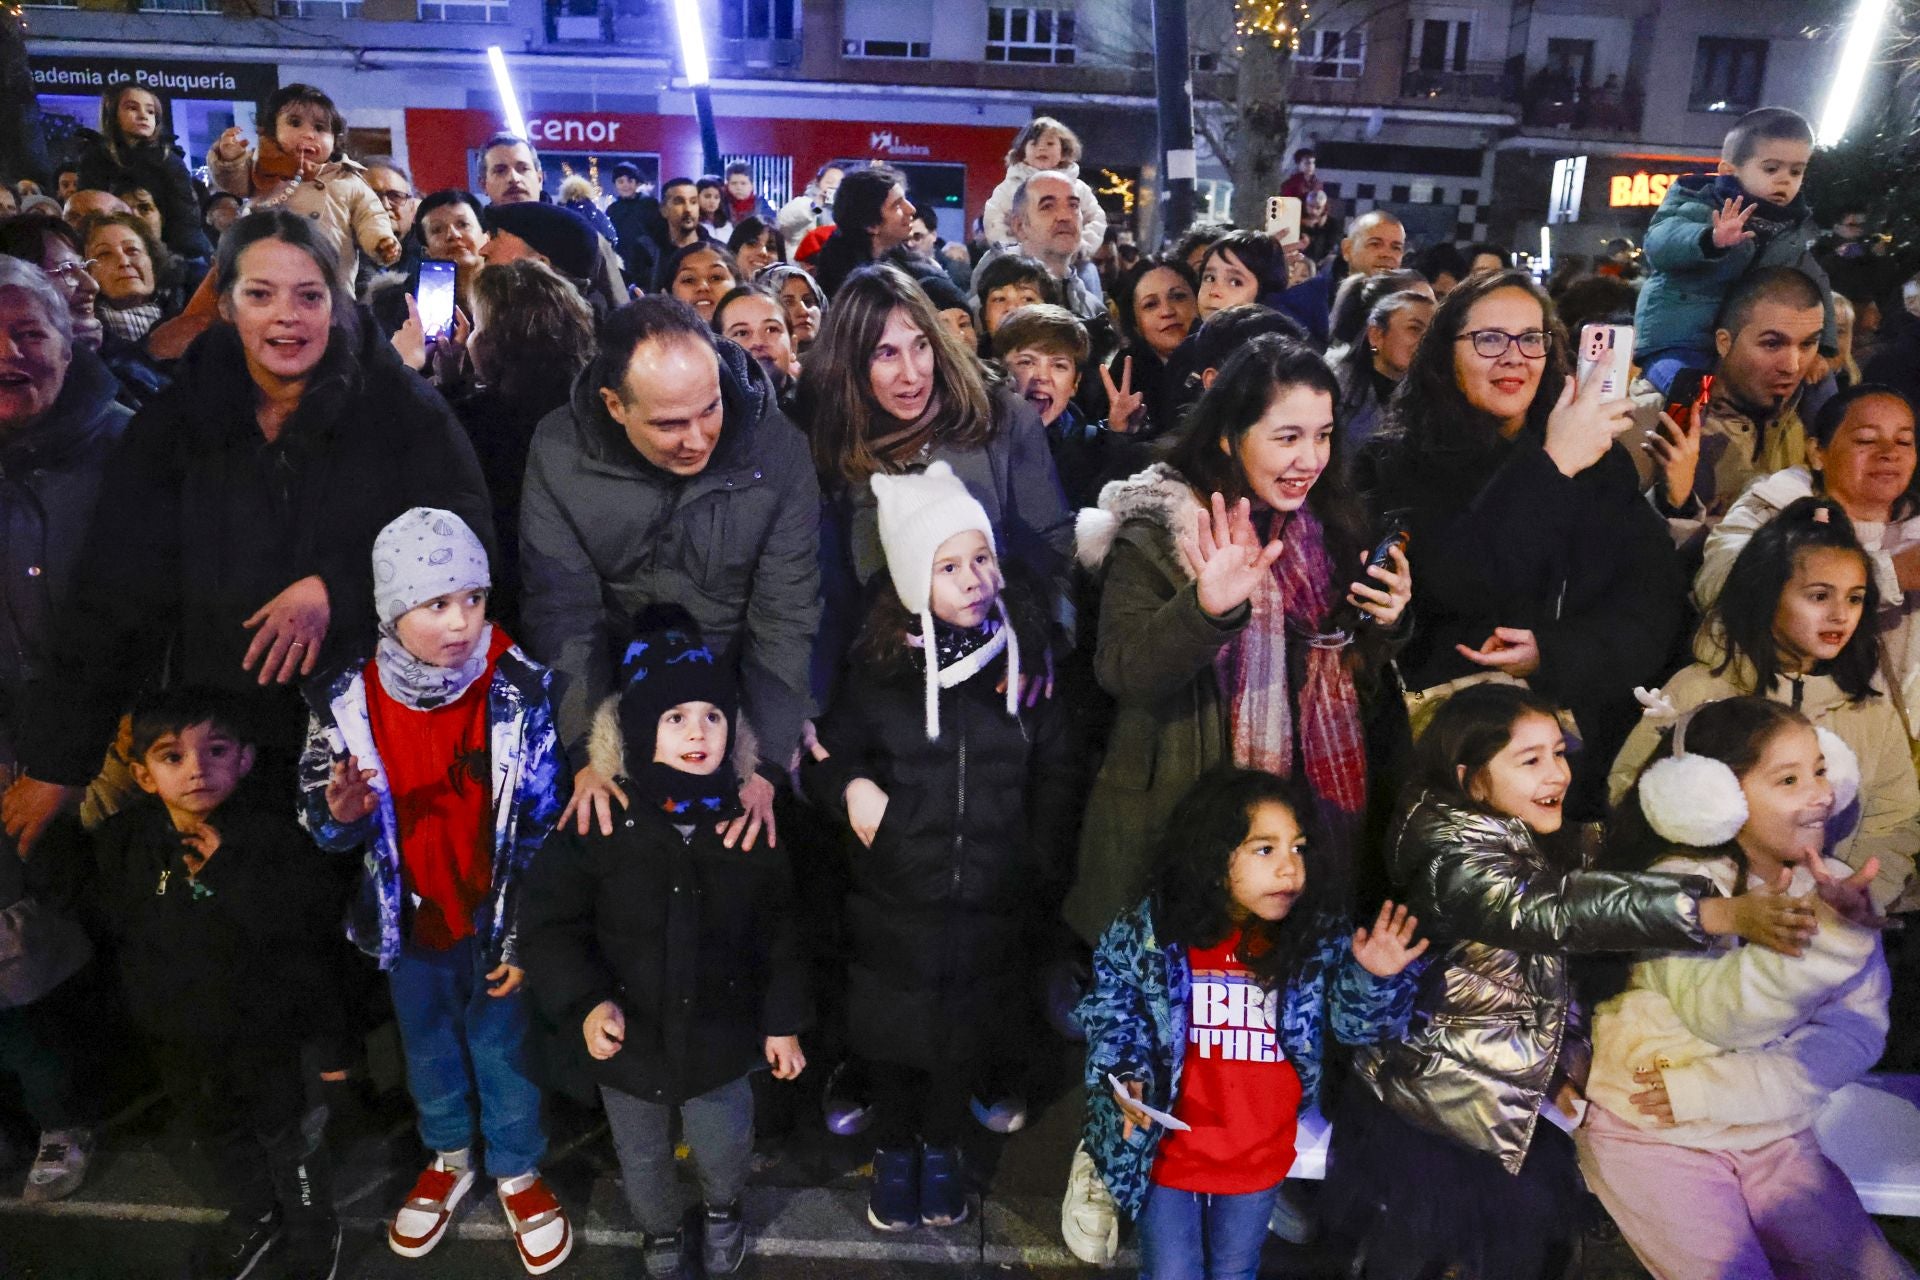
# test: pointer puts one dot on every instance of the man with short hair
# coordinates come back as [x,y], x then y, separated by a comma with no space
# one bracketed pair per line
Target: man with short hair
[1767,337]
[510,170]
[680,225]
[873,220]
[86,202]
[1375,242]
[1045,220]
[66,181]
[672,478]
[395,188]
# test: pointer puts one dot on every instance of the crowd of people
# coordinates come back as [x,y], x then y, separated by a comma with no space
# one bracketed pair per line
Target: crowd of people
[752,644]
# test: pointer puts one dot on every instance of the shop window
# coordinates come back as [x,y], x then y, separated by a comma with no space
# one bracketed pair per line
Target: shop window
[1019,33]
[1727,74]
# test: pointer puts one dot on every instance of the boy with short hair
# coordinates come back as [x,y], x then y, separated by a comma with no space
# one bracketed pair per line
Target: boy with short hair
[1043,349]
[1711,230]
[438,758]
[221,914]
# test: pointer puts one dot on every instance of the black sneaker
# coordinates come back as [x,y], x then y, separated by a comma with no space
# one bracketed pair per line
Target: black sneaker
[723,1239]
[943,1192]
[893,1203]
[665,1257]
[313,1253]
[233,1247]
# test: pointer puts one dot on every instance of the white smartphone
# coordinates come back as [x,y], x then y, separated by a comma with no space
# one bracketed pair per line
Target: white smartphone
[435,298]
[1283,218]
[1606,353]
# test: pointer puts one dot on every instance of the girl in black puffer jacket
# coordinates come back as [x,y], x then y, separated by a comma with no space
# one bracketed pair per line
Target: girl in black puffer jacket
[134,148]
[962,801]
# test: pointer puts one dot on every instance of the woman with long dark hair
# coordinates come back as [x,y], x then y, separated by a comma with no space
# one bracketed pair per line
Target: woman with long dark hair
[1231,629]
[1155,301]
[232,544]
[888,389]
[1537,556]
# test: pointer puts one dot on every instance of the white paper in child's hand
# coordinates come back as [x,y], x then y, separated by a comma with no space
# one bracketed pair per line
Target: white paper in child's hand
[1560,1119]
[1158,1117]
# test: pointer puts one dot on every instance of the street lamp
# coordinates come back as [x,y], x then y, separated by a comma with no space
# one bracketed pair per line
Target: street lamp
[509,103]
[693,56]
[1863,36]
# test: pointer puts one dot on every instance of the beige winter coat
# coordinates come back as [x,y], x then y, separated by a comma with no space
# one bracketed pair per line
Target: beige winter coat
[1885,821]
[1749,1043]
[336,197]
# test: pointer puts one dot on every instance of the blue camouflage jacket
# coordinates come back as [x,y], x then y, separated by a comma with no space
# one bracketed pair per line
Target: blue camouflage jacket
[1136,1021]
[529,782]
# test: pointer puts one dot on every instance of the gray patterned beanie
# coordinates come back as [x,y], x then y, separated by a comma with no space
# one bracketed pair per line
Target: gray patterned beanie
[422,555]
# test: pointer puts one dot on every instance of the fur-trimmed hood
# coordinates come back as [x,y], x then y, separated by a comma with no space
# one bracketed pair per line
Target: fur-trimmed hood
[607,745]
[1157,494]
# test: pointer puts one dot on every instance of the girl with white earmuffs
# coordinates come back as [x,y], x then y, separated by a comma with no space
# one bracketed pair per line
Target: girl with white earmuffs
[1709,1068]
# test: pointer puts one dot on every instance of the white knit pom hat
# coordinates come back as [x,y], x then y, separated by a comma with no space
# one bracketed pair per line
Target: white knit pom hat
[917,513]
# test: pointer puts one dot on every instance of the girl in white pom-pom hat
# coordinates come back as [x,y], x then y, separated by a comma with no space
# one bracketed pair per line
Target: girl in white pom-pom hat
[961,802]
[1708,1070]
[1794,624]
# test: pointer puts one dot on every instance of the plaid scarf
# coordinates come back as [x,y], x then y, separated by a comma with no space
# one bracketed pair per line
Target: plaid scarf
[1296,599]
[129,323]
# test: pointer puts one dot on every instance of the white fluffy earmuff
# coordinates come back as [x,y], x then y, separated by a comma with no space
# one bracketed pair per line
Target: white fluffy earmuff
[1843,768]
[1690,800]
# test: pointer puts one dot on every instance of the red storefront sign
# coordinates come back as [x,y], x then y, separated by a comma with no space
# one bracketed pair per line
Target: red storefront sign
[439,140]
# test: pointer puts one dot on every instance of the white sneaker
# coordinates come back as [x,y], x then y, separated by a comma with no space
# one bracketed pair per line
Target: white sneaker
[60,1166]
[429,1207]
[1089,1219]
[540,1228]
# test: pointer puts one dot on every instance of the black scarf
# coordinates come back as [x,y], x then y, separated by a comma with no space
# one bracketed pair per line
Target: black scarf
[682,797]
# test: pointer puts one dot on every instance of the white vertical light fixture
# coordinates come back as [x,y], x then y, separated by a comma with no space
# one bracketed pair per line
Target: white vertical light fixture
[1546,252]
[693,41]
[509,103]
[1863,37]
[693,59]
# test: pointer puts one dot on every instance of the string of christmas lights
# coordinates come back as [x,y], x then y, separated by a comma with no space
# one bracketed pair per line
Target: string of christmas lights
[1278,21]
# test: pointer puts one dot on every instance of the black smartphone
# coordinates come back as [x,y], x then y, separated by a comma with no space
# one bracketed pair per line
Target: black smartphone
[1350,617]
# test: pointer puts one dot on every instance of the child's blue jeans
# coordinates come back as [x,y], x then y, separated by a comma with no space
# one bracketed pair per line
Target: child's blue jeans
[463,1046]
[1187,1235]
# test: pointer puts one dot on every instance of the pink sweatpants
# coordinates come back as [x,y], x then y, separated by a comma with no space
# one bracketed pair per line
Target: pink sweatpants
[1779,1212]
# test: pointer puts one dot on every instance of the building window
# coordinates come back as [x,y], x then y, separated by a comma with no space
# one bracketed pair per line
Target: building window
[1017,33]
[758,19]
[463,10]
[1438,44]
[1727,74]
[1335,55]
[181,6]
[885,49]
[314,8]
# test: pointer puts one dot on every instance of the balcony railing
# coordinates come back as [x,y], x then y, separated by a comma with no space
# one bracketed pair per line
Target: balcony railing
[1478,81]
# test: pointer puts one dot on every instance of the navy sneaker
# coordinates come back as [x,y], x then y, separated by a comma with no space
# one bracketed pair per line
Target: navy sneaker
[943,1192]
[665,1257]
[893,1203]
[723,1239]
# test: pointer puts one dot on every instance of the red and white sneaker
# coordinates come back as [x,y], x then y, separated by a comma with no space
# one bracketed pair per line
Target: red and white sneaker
[423,1219]
[540,1228]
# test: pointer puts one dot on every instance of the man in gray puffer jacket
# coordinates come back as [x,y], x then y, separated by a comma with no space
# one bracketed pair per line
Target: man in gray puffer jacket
[672,476]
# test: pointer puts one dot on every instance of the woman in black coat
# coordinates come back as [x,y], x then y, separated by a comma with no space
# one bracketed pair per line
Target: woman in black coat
[232,542]
[1534,553]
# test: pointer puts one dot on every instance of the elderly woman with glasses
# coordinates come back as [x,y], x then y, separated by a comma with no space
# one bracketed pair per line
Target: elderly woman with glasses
[1534,554]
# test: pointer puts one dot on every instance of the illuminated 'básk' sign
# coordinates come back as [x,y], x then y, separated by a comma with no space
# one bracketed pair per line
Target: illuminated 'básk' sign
[1638,190]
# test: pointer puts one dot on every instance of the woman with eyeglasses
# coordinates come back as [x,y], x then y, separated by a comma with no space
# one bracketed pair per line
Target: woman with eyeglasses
[1535,555]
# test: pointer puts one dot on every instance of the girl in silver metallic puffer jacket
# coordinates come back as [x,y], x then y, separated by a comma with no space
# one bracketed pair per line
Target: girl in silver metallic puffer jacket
[1437,1158]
